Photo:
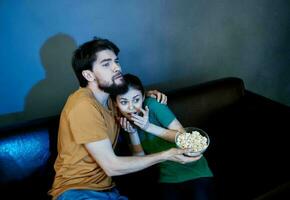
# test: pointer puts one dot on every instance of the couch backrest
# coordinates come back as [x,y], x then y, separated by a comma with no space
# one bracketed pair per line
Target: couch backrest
[194,105]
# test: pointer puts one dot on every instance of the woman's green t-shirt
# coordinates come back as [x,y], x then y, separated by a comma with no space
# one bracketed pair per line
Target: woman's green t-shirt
[170,172]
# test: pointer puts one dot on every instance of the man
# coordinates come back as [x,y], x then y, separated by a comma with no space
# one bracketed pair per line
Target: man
[89,130]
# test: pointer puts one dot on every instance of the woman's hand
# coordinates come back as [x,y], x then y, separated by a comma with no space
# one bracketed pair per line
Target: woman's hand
[126,125]
[160,97]
[142,121]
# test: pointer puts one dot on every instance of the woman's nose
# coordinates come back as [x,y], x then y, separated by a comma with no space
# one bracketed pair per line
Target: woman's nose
[131,107]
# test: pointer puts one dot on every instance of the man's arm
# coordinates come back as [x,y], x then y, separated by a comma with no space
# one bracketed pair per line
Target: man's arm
[114,165]
[160,97]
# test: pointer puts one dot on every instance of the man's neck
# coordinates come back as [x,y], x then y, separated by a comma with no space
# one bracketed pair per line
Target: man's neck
[100,95]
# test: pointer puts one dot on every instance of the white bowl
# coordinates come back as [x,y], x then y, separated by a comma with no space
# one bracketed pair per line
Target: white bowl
[201,148]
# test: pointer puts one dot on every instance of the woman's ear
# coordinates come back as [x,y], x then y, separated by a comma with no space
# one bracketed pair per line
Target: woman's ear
[88,75]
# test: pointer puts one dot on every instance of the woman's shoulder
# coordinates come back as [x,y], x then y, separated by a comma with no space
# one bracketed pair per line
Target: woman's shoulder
[149,101]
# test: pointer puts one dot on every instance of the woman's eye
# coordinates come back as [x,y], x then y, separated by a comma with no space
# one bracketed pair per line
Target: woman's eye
[123,102]
[136,100]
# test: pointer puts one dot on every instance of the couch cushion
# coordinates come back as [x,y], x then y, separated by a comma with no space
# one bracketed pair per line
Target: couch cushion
[27,154]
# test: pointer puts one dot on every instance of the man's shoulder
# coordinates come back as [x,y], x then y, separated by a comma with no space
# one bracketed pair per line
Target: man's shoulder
[82,93]
[80,98]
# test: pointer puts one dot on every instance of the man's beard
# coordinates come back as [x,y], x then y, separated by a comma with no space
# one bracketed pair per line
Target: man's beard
[114,89]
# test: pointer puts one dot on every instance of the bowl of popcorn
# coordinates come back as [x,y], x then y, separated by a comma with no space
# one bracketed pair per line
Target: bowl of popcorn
[192,138]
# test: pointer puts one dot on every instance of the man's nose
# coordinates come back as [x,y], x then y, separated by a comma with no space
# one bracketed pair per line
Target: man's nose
[116,67]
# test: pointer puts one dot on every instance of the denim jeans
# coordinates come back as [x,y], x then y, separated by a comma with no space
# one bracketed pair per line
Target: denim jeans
[78,194]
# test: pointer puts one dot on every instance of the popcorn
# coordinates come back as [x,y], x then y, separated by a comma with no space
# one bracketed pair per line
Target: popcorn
[193,140]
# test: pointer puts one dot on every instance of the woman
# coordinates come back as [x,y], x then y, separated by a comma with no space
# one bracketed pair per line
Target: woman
[152,128]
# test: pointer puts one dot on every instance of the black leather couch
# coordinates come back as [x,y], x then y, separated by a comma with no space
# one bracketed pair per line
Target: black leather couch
[248,152]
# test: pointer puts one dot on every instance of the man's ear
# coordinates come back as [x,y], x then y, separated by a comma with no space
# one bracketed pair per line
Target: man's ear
[88,75]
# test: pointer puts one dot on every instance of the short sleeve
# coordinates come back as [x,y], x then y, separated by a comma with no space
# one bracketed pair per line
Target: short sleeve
[86,123]
[161,111]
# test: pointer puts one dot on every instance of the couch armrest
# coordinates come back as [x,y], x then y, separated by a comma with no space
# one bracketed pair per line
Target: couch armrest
[194,105]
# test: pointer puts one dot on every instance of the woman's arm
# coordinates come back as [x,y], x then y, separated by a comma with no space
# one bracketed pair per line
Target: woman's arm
[136,146]
[168,133]
[175,125]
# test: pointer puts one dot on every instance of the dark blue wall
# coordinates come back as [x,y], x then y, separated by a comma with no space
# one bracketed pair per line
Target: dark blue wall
[163,41]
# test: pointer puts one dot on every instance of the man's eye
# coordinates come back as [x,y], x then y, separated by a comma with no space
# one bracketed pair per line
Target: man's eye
[117,61]
[106,64]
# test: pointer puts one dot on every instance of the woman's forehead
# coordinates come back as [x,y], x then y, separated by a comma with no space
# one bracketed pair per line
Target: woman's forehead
[131,93]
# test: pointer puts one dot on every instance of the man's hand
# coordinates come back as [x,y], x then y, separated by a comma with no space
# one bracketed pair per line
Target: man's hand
[161,98]
[176,155]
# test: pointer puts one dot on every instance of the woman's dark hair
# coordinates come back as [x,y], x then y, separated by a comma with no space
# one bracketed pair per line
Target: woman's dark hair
[84,56]
[133,82]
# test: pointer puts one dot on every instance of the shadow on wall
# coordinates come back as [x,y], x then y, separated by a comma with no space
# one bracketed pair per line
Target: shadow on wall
[47,97]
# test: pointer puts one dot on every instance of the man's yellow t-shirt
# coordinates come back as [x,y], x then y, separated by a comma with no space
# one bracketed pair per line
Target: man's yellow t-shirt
[83,120]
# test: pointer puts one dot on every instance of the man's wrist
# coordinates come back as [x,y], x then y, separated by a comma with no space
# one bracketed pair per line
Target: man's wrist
[165,155]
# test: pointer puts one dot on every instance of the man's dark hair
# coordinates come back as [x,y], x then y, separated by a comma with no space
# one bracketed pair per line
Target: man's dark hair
[85,55]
